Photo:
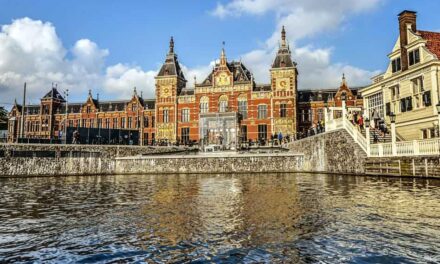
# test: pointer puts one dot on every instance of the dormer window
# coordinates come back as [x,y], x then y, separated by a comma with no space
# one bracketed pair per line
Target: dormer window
[396,65]
[414,57]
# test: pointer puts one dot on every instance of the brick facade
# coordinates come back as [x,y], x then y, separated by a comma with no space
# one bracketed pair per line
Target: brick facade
[229,93]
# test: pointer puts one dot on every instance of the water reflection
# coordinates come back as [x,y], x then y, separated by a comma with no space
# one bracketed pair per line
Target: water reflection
[220,218]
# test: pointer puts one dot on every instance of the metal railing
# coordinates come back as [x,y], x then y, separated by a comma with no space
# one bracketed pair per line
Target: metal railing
[402,148]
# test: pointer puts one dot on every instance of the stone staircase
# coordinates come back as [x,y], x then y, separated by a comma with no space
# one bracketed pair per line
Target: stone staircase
[381,138]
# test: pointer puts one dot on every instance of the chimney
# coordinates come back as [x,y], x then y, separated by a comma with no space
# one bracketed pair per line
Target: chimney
[406,18]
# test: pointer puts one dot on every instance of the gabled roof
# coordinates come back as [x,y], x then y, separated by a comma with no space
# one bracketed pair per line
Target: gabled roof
[432,41]
[239,72]
[54,94]
[171,67]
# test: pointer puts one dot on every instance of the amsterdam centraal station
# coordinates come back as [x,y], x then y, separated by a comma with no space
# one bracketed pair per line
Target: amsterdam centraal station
[226,108]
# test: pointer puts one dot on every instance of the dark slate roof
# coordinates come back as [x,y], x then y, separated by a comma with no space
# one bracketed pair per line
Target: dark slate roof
[54,94]
[32,109]
[262,87]
[105,106]
[238,70]
[150,103]
[171,67]
[323,94]
[187,91]
[283,58]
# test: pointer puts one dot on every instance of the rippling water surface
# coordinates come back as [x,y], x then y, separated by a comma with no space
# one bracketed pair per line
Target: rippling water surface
[258,218]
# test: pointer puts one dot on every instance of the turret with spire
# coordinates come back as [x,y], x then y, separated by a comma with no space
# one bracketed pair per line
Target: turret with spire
[283,58]
[171,67]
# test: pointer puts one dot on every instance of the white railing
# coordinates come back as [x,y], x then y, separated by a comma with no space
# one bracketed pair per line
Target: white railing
[356,134]
[402,148]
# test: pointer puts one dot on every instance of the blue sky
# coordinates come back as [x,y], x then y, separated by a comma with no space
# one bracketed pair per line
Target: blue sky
[126,41]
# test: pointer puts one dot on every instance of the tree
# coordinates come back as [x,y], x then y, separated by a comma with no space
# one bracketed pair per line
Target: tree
[3,118]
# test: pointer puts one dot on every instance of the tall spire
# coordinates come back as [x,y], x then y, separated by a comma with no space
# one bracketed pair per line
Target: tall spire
[283,38]
[171,46]
[223,55]
[344,82]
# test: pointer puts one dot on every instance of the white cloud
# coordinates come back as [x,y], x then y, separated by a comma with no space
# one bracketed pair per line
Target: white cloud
[120,80]
[302,19]
[32,52]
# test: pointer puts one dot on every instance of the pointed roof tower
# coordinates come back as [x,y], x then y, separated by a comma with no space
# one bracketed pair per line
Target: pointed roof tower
[171,67]
[283,58]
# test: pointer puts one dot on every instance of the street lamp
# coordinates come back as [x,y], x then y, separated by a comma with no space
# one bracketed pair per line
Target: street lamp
[392,118]
[393,133]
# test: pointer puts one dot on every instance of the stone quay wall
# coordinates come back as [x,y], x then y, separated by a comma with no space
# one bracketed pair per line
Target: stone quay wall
[220,163]
[60,160]
[331,152]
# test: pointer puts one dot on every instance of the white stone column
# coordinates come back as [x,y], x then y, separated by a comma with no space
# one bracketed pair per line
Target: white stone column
[367,135]
[393,138]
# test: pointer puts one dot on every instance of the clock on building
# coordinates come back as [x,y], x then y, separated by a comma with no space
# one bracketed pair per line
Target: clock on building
[223,79]
[166,91]
[283,83]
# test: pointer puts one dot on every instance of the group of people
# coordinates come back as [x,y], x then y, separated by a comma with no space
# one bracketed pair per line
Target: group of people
[356,119]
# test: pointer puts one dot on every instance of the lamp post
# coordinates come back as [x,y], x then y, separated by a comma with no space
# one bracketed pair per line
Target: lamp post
[367,135]
[438,112]
[66,94]
[393,133]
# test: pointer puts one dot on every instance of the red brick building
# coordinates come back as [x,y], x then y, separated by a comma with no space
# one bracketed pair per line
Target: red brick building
[311,104]
[226,108]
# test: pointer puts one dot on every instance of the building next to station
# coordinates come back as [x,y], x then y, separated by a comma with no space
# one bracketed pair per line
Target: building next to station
[409,89]
[313,102]
[227,107]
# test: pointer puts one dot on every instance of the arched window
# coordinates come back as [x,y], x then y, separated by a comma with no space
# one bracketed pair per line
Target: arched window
[242,106]
[223,104]
[204,104]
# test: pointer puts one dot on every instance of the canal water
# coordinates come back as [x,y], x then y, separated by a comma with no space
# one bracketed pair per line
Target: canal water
[256,218]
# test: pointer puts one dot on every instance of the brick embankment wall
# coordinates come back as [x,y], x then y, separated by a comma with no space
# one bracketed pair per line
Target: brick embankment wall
[46,160]
[221,163]
[331,152]
[423,166]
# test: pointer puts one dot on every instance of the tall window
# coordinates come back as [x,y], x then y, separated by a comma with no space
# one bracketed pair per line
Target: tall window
[166,117]
[204,104]
[185,115]
[115,122]
[107,123]
[223,104]
[414,57]
[262,111]
[123,122]
[146,121]
[375,103]
[243,131]
[129,122]
[185,135]
[283,110]
[262,131]
[396,65]
[418,91]
[242,106]
[153,119]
